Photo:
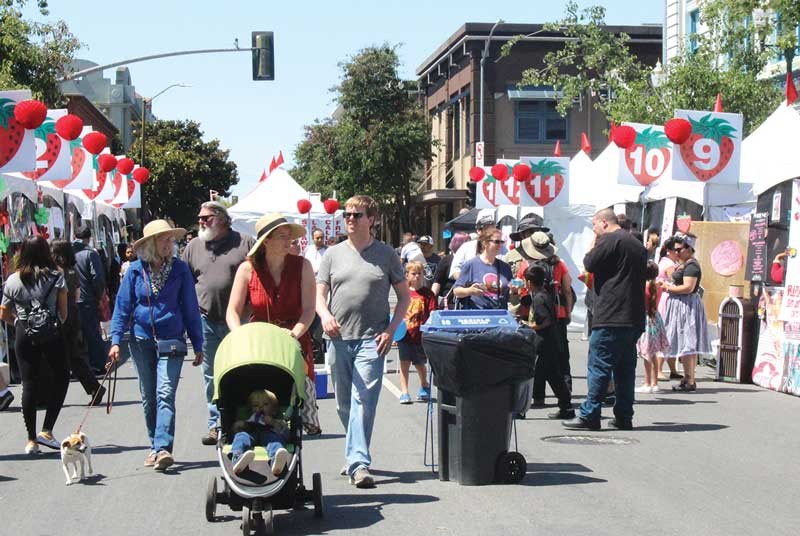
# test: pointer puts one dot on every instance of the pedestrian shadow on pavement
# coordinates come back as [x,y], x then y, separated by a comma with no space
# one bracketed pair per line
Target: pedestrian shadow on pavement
[4,478]
[671,401]
[680,427]
[558,474]
[181,467]
[102,404]
[408,477]
[116,449]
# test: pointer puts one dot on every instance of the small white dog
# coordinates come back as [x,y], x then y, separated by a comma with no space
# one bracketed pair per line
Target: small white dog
[76,450]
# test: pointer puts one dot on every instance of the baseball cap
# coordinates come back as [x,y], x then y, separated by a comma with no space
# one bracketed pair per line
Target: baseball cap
[484,221]
[425,239]
[529,222]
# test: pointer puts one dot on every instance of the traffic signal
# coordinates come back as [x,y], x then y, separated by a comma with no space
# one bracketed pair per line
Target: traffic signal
[263,56]
[471,188]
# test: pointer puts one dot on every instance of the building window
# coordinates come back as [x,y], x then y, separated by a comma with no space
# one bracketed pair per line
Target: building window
[537,121]
[467,139]
[694,23]
[456,130]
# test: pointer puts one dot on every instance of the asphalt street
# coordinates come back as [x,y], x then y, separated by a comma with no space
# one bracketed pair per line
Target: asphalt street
[717,461]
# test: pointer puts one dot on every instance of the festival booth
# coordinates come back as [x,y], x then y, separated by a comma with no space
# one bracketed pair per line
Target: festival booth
[279,192]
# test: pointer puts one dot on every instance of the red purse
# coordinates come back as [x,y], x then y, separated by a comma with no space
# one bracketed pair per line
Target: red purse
[104,308]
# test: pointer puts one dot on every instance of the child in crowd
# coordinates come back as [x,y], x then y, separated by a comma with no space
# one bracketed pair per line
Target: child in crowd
[262,428]
[542,319]
[422,303]
[654,339]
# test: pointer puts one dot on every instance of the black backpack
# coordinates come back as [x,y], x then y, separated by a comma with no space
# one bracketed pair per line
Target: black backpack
[42,326]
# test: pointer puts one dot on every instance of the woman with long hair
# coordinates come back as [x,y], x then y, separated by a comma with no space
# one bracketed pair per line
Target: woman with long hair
[279,288]
[483,280]
[666,265]
[64,258]
[37,286]
[157,298]
[654,339]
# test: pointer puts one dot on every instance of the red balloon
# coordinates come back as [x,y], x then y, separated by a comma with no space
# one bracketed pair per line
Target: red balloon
[331,205]
[500,172]
[521,172]
[304,206]
[95,142]
[141,174]
[106,162]
[125,165]
[69,127]
[476,174]
[624,136]
[678,130]
[30,113]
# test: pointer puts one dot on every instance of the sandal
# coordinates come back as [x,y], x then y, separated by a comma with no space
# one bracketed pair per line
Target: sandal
[686,387]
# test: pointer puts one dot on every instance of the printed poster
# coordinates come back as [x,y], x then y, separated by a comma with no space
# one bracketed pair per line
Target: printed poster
[81,166]
[547,186]
[648,159]
[53,155]
[17,145]
[713,151]
[790,310]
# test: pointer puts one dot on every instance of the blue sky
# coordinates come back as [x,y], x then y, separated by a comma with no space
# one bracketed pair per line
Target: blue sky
[257,119]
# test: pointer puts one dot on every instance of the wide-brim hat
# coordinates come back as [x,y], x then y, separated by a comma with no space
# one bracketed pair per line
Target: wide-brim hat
[529,222]
[268,223]
[538,246]
[157,228]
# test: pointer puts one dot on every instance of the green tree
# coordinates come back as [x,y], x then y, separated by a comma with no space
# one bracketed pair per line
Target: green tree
[378,143]
[183,168]
[34,55]
[723,60]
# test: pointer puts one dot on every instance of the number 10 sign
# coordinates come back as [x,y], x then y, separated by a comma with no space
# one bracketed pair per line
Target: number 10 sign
[713,150]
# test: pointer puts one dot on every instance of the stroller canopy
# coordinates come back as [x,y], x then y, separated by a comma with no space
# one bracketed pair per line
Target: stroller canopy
[260,343]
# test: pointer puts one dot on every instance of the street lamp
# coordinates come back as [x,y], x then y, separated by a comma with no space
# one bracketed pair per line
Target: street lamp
[484,55]
[144,110]
[657,75]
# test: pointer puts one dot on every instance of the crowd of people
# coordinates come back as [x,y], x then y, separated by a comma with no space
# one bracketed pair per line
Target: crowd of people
[335,298]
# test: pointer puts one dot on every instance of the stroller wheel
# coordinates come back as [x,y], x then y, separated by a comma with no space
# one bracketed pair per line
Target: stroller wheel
[264,525]
[247,520]
[510,468]
[319,500]
[211,499]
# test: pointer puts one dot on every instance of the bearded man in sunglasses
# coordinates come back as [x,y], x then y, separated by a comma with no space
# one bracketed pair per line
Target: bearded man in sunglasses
[213,257]
[353,285]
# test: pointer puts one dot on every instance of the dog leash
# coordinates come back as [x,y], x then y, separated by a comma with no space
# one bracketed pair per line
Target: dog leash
[112,389]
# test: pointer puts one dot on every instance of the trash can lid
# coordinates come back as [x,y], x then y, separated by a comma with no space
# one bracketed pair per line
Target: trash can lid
[468,319]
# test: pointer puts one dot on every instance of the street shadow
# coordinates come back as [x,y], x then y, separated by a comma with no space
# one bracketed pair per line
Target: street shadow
[680,427]
[323,435]
[670,401]
[102,405]
[116,449]
[22,457]
[408,477]
[181,467]
[558,474]
[707,388]
[92,480]
[13,409]
[345,513]
[6,478]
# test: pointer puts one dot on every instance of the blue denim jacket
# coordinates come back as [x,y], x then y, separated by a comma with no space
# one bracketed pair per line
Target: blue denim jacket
[175,309]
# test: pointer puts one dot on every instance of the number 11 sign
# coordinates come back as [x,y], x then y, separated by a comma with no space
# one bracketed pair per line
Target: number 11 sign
[547,186]
[713,150]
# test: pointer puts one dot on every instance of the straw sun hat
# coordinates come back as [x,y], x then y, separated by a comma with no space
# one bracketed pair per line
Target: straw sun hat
[538,246]
[157,228]
[268,223]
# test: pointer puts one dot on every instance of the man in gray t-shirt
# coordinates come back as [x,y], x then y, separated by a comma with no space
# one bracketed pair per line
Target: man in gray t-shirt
[357,274]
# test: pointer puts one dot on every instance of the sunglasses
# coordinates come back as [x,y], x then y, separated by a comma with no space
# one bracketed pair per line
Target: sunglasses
[205,218]
[677,250]
[354,215]
[497,241]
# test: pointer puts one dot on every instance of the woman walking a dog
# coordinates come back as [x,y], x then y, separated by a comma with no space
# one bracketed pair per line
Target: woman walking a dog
[35,301]
[157,297]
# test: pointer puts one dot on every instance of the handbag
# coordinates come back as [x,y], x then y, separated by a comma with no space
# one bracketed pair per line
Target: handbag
[104,308]
[164,347]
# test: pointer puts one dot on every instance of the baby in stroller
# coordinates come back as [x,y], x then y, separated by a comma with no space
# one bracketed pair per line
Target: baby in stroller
[264,428]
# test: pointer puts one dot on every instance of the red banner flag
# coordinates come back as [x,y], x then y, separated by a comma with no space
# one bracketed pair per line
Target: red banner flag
[586,147]
[557,150]
[718,103]
[263,175]
[791,91]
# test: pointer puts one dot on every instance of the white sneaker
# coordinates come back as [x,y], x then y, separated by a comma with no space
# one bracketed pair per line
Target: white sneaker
[646,389]
[655,389]
[280,461]
[244,461]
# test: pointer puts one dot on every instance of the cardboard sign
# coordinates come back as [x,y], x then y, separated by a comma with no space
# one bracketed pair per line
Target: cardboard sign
[713,151]
[548,185]
[648,159]
[52,151]
[17,145]
[81,169]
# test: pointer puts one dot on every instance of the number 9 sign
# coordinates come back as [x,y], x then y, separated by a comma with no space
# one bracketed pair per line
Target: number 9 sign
[712,151]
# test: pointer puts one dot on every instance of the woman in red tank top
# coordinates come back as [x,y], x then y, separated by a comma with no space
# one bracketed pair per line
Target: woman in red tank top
[279,288]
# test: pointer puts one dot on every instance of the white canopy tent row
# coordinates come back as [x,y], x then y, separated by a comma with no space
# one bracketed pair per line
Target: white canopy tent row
[279,192]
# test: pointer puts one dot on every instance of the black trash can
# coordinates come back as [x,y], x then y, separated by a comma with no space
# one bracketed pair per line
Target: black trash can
[476,372]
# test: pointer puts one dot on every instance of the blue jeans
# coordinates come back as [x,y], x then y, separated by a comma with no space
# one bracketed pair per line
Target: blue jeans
[158,382]
[611,350]
[90,328]
[269,439]
[358,372]
[213,333]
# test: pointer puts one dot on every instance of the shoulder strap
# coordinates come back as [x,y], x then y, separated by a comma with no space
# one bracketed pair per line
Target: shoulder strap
[50,289]
[149,304]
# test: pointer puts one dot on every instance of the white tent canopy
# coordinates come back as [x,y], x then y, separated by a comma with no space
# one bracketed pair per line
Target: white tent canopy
[770,153]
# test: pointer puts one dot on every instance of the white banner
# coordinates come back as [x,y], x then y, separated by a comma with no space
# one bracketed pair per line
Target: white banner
[713,151]
[53,156]
[17,145]
[548,185]
[81,169]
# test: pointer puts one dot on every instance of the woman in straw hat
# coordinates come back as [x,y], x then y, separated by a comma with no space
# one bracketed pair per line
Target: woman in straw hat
[157,297]
[279,288]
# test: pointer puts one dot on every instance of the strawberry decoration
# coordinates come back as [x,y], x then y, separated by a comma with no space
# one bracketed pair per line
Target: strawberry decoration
[547,181]
[3,218]
[717,130]
[141,174]
[11,132]
[30,113]
[52,141]
[125,165]
[500,172]
[647,158]
[678,130]
[69,127]
[684,223]
[624,136]
[476,174]
[95,142]
[304,206]
[521,172]
[106,162]
[331,205]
